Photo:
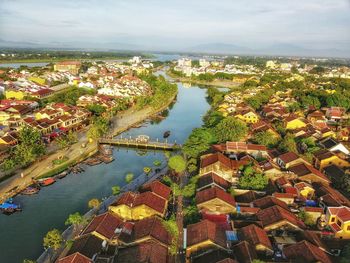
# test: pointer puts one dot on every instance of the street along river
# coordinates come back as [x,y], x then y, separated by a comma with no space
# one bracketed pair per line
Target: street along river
[21,234]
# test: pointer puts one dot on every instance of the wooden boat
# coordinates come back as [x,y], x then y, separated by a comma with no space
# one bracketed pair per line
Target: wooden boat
[106,159]
[8,207]
[62,175]
[47,181]
[106,149]
[166,134]
[77,169]
[30,190]
[93,161]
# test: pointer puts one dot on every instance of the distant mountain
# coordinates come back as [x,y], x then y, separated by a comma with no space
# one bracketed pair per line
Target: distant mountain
[219,48]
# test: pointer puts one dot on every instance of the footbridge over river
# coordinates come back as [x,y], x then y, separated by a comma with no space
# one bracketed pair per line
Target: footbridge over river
[141,141]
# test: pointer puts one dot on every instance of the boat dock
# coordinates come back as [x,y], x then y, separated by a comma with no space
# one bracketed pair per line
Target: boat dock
[142,141]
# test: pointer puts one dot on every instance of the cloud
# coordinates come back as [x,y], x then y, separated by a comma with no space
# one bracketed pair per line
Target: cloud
[166,23]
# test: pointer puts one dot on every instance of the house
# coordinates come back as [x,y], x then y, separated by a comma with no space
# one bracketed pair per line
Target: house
[212,180]
[335,114]
[262,126]
[337,175]
[293,122]
[278,218]
[314,212]
[304,251]
[75,258]
[234,148]
[70,66]
[104,226]
[247,115]
[157,188]
[288,198]
[244,252]
[338,218]
[332,145]
[136,206]
[145,252]
[215,200]
[203,237]
[316,116]
[324,158]
[270,169]
[308,173]
[93,248]
[222,166]
[305,190]
[258,238]
[288,159]
[269,201]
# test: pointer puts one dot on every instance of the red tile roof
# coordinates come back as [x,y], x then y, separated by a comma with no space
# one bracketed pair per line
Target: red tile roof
[75,258]
[288,157]
[276,214]
[269,201]
[212,178]
[158,188]
[214,192]
[256,236]
[219,157]
[149,227]
[304,251]
[283,195]
[145,252]
[242,146]
[205,230]
[104,224]
[342,212]
[306,169]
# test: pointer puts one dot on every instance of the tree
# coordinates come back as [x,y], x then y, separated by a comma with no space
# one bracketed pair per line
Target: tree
[172,228]
[177,163]
[129,177]
[191,215]
[288,144]
[147,169]
[116,190]
[198,142]
[345,254]
[53,239]
[212,118]
[62,142]
[28,261]
[75,219]
[94,203]
[265,138]
[96,109]
[252,180]
[306,218]
[230,129]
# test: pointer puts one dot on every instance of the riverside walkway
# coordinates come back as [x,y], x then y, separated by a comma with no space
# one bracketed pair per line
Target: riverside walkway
[141,141]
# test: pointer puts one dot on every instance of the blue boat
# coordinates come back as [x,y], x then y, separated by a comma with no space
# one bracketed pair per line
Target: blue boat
[8,207]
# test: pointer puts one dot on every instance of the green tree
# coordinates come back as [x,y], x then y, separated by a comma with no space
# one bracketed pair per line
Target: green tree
[62,142]
[8,164]
[29,261]
[177,163]
[96,109]
[116,190]
[53,239]
[250,179]
[129,177]
[75,219]
[191,215]
[198,142]
[212,118]
[306,218]
[288,144]
[94,203]
[172,228]
[265,138]
[230,129]
[345,254]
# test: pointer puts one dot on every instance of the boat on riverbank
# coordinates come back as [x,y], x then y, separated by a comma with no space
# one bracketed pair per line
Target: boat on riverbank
[166,134]
[93,161]
[47,181]
[30,190]
[106,159]
[8,207]
[106,149]
[62,175]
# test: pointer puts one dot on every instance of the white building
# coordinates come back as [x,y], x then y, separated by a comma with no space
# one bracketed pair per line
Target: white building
[184,62]
[204,63]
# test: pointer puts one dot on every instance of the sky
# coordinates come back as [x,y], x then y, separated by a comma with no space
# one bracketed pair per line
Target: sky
[178,24]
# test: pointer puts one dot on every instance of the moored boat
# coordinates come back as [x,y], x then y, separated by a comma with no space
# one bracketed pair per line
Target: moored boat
[47,181]
[93,161]
[166,134]
[62,175]
[106,149]
[8,207]
[30,190]
[106,159]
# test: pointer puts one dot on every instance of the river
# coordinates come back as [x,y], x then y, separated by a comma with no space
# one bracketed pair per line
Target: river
[21,234]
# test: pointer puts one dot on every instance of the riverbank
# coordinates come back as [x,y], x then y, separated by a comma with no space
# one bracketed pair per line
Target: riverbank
[218,83]
[76,153]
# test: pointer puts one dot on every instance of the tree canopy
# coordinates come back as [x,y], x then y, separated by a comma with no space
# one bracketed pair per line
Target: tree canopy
[230,129]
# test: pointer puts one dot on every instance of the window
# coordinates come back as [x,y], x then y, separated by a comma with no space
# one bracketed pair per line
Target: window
[332,219]
[339,223]
[348,228]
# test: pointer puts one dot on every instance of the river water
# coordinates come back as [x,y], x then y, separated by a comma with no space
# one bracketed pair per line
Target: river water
[21,234]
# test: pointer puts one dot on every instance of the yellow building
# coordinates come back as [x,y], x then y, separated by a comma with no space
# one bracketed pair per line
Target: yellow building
[305,190]
[338,218]
[70,66]
[14,94]
[324,158]
[133,206]
[293,123]
[248,116]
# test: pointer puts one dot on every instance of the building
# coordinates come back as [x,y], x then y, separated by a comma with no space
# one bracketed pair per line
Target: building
[338,218]
[324,158]
[215,200]
[70,66]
